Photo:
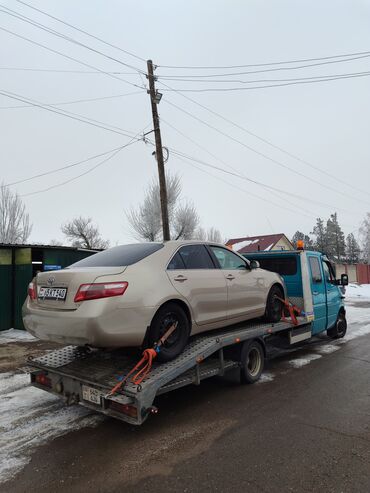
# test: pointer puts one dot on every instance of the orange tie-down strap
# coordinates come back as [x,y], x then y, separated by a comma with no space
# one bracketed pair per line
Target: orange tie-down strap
[143,367]
[293,311]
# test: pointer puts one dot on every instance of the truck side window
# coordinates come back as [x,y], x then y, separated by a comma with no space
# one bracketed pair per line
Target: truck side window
[327,272]
[315,269]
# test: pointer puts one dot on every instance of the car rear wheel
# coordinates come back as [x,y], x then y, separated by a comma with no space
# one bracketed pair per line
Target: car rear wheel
[168,315]
[274,306]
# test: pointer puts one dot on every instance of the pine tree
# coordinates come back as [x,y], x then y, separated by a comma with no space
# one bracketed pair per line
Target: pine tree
[308,243]
[352,249]
[319,231]
[335,239]
[365,236]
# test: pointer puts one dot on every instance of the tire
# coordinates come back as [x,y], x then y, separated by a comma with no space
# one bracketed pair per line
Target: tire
[340,328]
[162,321]
[252,361]
[274,307]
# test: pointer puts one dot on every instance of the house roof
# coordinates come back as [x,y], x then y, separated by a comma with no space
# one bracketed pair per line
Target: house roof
[262,243]
[44,247]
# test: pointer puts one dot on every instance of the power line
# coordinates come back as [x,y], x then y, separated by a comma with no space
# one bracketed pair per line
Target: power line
[62,71]
[262,139]
[74,101]
[34,23]
[68,57]
[261,153]
[259,81]
[266,86]
[82,31]
[65,113]
[301,60]
[230,74]
[40,175]
[132,141]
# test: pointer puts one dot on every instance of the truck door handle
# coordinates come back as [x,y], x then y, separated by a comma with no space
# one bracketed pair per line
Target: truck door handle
[230,277]
[315,292]
[180,278]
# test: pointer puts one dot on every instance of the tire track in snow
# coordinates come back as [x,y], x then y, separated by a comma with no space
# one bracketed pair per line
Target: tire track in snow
[30,417]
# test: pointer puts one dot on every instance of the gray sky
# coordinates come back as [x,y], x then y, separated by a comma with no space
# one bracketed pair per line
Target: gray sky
[325,124]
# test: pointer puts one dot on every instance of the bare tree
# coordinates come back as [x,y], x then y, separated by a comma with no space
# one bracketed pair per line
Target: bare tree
[212,234]
[82,233]
[146,222]
[365,237]
[15,224]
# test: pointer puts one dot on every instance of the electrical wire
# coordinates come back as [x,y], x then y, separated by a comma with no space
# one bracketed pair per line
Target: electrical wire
[75,101]
[65,113]
[81,31]
[69,57]
[266,86]
[62,71]
[47,29]
[132,141]
[301,60]
[283,165]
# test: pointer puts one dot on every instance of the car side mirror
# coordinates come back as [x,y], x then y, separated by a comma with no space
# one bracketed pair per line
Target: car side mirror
[344,280]
[254,264]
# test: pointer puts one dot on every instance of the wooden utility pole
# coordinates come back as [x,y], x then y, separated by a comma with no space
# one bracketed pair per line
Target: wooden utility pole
[159,152]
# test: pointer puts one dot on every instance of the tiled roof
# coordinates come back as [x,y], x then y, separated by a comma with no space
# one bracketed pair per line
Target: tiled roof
[262,243]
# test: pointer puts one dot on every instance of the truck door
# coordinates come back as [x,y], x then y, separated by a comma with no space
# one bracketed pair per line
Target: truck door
[318,289]
[333,296]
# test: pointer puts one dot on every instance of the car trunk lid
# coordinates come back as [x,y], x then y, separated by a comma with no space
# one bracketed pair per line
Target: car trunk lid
[57,289]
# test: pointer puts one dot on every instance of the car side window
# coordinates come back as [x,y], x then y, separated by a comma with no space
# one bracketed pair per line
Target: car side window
[315,270]
[227,259]
[176,262]
[196,257]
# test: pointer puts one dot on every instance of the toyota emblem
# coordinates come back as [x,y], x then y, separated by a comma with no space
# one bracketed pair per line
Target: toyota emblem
[51,280]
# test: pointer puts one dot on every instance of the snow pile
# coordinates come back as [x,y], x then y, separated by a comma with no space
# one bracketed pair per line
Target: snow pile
[30,417]
[14,335]
[358,291]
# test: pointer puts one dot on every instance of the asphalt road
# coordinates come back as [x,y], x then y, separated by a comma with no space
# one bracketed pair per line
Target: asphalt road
[304,428]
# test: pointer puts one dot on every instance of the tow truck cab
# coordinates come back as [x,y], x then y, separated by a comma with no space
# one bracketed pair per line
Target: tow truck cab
[308,273]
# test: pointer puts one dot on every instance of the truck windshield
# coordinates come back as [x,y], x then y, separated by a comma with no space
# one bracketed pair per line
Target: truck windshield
[119,256]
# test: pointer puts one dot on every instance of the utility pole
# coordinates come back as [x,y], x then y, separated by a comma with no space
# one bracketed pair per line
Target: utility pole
[154,99]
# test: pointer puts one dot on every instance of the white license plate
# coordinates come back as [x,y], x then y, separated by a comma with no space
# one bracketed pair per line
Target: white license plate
[58,294]
[90,394]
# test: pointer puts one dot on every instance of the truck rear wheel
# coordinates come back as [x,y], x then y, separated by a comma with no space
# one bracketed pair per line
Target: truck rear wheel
[252,361]
[340,328]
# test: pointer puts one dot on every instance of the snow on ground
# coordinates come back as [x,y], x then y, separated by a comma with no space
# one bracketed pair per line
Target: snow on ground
[355,291]
[15,335]
[30,417]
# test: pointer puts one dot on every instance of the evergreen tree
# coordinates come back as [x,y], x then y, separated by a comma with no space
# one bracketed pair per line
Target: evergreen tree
[319,231]
[352,249]
[365,236]
[308,243]
[335,239]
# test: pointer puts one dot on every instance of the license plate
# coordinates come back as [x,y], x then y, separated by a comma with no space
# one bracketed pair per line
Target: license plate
[58,294]
[90,394]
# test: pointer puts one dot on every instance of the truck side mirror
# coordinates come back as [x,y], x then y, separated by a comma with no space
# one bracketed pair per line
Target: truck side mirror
[254,264]
[344,280]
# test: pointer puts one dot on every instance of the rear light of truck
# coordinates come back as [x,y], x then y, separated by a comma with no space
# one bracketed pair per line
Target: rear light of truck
[43,380]
[100,290]
[32,290]
[123,408]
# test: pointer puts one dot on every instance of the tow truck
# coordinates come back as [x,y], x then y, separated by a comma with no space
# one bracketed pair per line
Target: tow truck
[87,376]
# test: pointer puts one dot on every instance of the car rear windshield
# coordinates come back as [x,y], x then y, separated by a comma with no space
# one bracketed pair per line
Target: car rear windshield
[285,266]
[119,256]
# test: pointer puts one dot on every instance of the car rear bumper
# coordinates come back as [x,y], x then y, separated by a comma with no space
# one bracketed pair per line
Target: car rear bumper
[94,325]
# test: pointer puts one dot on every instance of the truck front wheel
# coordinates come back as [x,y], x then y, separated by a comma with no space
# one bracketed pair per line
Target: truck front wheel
[340,328]
[252,359]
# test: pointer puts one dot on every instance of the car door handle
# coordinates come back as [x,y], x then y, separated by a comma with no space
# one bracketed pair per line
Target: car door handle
[180,278]
[230,277]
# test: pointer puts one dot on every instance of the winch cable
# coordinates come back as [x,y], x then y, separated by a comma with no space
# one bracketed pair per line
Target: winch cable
[143,367]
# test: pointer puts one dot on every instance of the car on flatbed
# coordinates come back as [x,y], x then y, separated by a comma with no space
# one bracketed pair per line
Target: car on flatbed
[130,295]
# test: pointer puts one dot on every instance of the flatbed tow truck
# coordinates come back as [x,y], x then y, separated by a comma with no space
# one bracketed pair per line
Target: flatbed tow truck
[87,376]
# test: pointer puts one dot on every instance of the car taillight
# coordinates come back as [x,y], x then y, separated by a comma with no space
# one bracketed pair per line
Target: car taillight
[43,380]
[100,290]
[32,291]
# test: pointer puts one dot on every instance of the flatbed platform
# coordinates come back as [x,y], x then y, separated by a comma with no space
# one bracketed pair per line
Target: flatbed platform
[84,377]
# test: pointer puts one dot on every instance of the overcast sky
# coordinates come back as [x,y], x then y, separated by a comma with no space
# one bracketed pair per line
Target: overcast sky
[324,124]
